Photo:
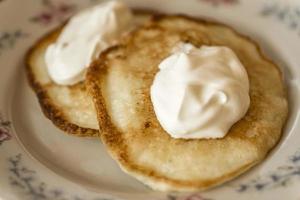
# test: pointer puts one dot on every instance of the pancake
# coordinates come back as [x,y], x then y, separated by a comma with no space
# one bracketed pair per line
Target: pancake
[68,107]
[119,82]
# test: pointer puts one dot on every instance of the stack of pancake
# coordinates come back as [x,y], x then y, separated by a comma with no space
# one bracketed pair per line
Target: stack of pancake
[115,96]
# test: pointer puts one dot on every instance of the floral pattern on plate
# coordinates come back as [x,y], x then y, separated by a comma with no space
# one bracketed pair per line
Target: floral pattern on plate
[53,12]
[8,39]
[4,130]
[220,2]
[28,182]
[284,13]
[195,196]
[281,177]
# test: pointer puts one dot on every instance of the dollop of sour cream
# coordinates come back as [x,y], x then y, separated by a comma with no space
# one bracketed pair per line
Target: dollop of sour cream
[83,38]
[200,92]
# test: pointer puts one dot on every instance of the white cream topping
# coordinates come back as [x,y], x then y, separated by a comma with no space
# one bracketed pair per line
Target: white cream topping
[83,38]
[200,92]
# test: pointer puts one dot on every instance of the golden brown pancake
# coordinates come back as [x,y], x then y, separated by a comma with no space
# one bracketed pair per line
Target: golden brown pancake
[68,107]
[119,82]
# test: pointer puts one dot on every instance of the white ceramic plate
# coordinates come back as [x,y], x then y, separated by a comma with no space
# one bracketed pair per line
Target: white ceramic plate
[37,161]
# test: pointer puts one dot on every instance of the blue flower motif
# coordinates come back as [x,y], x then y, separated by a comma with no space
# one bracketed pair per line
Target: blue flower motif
[288,14]
[27,181]
[281,177]
[8,39]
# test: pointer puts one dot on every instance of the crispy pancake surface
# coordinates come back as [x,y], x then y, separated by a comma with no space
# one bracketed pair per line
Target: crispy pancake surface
[119,82]
[68,107]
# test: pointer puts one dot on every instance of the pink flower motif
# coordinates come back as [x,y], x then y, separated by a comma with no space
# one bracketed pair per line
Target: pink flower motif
[219,2]
[4,135]
[53,12]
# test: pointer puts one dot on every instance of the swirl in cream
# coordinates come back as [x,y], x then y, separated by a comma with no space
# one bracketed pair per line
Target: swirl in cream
[200,92]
